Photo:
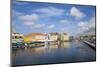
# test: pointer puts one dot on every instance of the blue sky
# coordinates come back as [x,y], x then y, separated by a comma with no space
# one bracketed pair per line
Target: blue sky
[28,17]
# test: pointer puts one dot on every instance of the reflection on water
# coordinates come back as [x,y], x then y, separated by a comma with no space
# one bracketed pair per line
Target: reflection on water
[53,52]
[57,45]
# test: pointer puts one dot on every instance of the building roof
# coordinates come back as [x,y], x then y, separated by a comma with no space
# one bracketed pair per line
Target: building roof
[65,33]
[35,34]
[54,33]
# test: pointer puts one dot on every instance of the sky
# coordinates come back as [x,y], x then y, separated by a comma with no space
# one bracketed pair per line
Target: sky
[29,17]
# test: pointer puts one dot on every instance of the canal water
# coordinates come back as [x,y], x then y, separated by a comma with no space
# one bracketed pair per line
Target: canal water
[54,53]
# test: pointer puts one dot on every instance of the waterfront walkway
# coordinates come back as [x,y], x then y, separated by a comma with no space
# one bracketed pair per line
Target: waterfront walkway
[90,44]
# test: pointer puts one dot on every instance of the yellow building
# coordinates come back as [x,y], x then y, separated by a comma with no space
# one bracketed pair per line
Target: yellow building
[42,37]
[35,37]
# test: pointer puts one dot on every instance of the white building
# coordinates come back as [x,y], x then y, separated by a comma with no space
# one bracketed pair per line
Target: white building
[64,36]
[53,36]
[17,38]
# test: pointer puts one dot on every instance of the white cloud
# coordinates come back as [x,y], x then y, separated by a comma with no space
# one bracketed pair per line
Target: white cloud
[63,29]
[92,21]
[75,12]
[29,18]
[91,29]
[16,13]
[39,26]
[34,25]
[29,23]
[87,26]
[64,21]
[50,11]
[51,26]
[82,26]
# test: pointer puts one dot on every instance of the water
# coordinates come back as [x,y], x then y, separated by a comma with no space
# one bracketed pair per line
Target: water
[65,52]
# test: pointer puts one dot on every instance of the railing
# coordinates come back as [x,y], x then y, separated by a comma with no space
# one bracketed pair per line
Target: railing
[92,45]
